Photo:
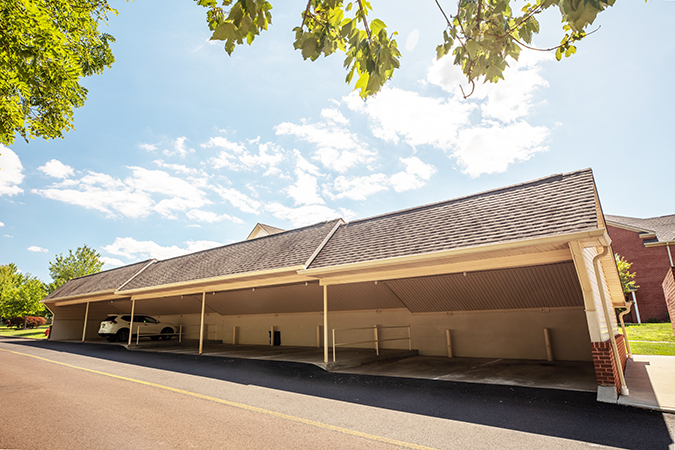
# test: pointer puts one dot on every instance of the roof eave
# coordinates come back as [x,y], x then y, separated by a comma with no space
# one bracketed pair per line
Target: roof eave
[203,283]
[591,237]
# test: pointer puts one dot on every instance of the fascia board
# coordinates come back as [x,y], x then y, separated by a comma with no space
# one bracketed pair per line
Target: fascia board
[109,292]
[598,236]
[204,282]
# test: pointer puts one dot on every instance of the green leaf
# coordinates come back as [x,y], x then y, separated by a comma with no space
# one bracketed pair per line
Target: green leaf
[376,26]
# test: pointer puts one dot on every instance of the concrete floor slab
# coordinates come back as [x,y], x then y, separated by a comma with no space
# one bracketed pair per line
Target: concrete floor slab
[651,383]
[565,375]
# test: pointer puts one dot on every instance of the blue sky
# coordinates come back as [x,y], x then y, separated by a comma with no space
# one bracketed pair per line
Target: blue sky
[181,147]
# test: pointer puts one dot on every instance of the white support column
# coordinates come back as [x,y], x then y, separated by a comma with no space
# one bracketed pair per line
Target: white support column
[201,327]
[131,322]
[325,324]
[86,317]
[584,275]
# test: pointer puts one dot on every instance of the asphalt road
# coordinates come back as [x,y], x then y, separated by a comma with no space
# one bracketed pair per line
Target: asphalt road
[77,396]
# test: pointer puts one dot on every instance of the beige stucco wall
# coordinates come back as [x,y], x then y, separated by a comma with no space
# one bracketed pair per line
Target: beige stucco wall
[492,334]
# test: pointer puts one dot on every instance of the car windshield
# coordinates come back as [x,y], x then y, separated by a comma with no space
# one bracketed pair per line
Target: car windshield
[110,318]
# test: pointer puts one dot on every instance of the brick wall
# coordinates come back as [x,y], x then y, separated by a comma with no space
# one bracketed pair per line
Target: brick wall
[669,291]
[649,264]
[606,372]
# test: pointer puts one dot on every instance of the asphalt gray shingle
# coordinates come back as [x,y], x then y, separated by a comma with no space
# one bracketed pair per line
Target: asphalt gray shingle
[559,204]
[285,249]
[107,280]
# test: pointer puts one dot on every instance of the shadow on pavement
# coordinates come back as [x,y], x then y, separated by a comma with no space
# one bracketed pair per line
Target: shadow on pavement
[557,413]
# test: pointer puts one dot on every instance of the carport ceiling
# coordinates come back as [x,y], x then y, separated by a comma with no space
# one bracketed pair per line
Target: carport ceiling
[550,286]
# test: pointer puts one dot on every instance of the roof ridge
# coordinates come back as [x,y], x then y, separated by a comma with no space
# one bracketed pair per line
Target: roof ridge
[478,194]
[246,241]
[643,218]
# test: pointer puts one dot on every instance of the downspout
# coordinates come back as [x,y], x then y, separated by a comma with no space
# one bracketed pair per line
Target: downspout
[610,332]
[623,327]
[670,257]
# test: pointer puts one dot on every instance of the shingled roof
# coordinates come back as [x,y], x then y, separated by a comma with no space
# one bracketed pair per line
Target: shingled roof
[286,249]
[663,227]
[555,205]
[105,281]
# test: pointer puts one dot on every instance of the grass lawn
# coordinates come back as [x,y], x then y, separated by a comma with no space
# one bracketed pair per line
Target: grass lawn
[36,333]
[651,339]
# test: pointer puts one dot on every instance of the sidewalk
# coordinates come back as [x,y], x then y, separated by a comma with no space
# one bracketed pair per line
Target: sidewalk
[651,383]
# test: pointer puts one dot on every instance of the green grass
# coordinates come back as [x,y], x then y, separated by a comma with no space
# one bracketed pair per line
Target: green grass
[35,333]
[657,339]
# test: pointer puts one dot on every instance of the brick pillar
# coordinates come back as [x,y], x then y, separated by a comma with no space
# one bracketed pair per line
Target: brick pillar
[669,292]
[605,365]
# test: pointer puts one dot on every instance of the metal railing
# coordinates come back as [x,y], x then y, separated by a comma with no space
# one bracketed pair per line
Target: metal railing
[179,334]
[376,339]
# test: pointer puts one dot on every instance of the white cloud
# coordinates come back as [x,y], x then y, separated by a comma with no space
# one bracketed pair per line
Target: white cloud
[56,169]
[333,115]
[336,147]
[358,188]
[179,148]
[303,215]
[11,172]
[181,168]
[415,176]
[138,195]
[148,147]
[418,120]
[507,100]
[210,217]
[235,156]
[238,199]
[2,224]
[111,262]
[492,147]
[305,190]
[35,248]
[132,249]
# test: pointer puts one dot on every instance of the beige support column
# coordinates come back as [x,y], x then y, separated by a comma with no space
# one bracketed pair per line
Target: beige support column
[131,322]
[547,340]
[272,336]
[86,316]
[201,327]
[234,335]
[325,324]
[449,342]
[318,336]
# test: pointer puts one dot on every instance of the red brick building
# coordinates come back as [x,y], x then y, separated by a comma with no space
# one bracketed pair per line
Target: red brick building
[650,245]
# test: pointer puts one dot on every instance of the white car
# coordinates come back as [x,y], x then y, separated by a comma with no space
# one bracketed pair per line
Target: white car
[116,327]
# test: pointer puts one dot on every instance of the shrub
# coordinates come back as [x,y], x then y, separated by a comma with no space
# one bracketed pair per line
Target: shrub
[30,322]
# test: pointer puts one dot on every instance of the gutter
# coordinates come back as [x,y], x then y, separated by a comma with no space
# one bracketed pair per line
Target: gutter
[600,234]
[610,331]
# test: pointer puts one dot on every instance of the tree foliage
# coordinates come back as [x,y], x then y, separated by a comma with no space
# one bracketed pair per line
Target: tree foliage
[481,35]
[20,294]
[46,46]
[626,276]
[83,262]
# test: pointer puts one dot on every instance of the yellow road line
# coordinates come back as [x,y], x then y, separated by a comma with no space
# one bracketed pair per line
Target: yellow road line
[325,426]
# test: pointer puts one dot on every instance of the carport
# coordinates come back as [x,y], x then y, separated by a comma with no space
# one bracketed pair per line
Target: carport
[523,272]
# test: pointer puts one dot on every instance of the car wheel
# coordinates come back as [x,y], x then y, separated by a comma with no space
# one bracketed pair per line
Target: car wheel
[167,332]
[123,335]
